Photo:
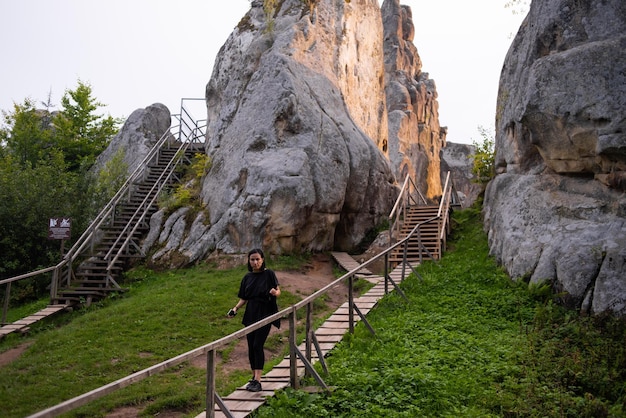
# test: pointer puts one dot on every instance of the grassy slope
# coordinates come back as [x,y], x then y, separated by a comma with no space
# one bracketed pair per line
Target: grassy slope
[163,315]
[469,343]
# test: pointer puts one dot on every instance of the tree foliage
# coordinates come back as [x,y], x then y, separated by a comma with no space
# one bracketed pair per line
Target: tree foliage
[26,137]
[44,162]
[79,131]
[484,157]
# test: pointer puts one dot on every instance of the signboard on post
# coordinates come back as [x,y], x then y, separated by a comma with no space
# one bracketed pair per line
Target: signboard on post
[59,228]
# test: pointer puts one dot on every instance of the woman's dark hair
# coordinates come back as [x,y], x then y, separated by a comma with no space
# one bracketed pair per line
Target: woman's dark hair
[259,252]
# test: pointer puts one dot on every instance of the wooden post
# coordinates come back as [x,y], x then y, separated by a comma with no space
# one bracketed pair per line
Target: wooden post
[386,273]
[54,286]
[293,365]
[309,332]
[5,308]
[350,305]
[210,384]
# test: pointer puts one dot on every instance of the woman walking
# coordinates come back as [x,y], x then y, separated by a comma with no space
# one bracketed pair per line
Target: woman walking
[258,290]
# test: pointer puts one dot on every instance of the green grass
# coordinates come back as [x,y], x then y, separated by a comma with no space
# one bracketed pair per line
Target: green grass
[470,343]
[161,316]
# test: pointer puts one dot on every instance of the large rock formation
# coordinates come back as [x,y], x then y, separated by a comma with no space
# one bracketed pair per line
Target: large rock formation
[458,160]
[141,131]
[556,210]
[415,137]
[298,131]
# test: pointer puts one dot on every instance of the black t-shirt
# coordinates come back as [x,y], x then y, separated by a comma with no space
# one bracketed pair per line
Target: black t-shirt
[255,289]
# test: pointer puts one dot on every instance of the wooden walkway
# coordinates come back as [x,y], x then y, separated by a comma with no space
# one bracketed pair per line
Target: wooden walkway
[348,263]
[24,324]
[241,403]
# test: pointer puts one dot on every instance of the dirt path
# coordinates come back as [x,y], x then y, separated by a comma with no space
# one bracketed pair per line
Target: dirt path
[13,354]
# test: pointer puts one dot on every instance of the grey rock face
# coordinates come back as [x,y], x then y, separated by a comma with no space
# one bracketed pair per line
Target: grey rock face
[415,137]
[296,133]
[563,90]
[564,230]
[138,135]
[556,210]
[457,158]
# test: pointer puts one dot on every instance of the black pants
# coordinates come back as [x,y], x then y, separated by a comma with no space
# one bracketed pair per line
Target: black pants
[256,341]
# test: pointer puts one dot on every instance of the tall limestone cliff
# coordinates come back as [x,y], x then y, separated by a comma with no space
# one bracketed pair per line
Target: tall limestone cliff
[304,157]
[556,210]
[415,137]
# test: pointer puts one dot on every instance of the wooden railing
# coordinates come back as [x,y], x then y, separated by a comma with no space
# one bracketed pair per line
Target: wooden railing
[7,289]
[409,195]
[210,350]
[444,210]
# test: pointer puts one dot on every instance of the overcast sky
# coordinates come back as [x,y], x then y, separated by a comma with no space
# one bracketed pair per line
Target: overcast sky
[137,52]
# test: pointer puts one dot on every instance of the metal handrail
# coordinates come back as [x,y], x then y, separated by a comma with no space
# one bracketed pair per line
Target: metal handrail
[88,236]
[161,182]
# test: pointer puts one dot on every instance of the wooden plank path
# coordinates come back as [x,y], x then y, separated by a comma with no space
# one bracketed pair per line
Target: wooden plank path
[241,402]
[348,263]
[23,324]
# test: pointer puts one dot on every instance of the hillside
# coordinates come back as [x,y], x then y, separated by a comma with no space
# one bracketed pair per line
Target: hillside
[468,343]
[471,343]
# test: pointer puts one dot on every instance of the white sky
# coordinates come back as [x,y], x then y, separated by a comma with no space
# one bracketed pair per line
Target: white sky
[137,52]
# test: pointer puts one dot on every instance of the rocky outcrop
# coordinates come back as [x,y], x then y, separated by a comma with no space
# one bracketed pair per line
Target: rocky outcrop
[415,137]
[141,131]
[304,155]
[556,211]
[296,133]
[458,160]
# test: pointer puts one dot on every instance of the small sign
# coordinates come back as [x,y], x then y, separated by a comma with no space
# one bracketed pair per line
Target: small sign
[59,228]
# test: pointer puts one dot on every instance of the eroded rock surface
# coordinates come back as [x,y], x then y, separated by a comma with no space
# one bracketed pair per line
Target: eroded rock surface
[556,211]
[140,132]
[304,154]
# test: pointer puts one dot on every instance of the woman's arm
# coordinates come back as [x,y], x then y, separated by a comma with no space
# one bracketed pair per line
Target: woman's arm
[275,291]
[239,304]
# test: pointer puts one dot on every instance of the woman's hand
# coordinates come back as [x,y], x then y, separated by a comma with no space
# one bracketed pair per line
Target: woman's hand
[275,291]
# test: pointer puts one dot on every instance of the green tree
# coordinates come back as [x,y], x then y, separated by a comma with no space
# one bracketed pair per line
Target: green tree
[44,161]
[79,131]
[29,196]
[108,181]
[484,157]
[25,136]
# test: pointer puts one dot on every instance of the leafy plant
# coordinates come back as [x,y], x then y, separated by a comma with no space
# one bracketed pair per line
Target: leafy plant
[109,180]
[200,164]
[484,158]
[187,193]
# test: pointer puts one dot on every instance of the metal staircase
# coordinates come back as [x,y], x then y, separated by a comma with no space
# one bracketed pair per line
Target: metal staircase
[89,271]
[94,264]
